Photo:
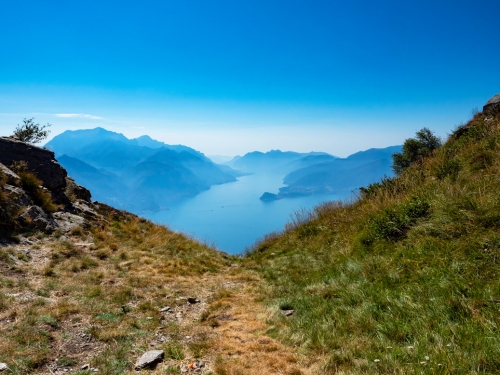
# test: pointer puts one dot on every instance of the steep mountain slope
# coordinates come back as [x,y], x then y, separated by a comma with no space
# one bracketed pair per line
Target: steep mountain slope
[406,280]
[138,174]
[105,186]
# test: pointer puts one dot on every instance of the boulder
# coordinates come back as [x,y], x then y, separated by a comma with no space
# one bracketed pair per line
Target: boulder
[77,191]
[12,178]
[150,359]
[40,161]
[67,221]
[36,217]
[17,195]
[492,108]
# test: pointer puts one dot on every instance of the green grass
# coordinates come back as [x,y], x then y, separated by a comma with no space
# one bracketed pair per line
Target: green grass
[414,263]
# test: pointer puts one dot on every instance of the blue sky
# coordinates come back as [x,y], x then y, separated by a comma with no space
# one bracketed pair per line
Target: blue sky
[228,77]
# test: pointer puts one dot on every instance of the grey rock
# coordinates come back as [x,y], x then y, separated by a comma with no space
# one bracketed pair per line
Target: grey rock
[36,217]
[85,367]
[150,359]
[77,191]
[3,366]
[84,210]
[67,221]
[40,161]
[165,309]
[492,107]
[12,177]
[287,312]
[18,195]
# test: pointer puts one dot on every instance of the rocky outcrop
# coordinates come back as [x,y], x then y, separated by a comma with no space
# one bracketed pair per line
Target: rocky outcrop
[24,208]
[40,161]
[36,218]
[492,107]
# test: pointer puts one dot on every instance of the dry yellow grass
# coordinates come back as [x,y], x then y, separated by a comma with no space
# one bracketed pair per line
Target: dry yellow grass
[95,297]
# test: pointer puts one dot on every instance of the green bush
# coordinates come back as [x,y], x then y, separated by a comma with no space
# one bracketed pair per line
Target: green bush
[414,149]
[394,223]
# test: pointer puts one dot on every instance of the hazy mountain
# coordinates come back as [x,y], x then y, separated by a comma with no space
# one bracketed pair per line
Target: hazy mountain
[105,186]
[72,142]
[274,161]
[219,159]
[138,174]
[333,175]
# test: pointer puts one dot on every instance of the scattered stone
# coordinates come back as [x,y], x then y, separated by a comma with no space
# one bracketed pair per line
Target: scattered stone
[85,366]
[184,369]
[193,300]
[410,347]
[84,244]
[287,312]
[165,309]
[3,366]
[492,107]
[234,265]
[376,360]
[150,359]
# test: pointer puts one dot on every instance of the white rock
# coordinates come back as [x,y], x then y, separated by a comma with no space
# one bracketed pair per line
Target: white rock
[3,366]
[149,359]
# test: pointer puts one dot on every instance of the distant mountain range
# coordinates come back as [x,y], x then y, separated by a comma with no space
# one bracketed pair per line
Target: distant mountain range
[143,174]
[139,174]
[276,161]
[326,174]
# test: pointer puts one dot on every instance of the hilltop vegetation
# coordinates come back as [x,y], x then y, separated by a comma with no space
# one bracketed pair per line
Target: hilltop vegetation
[406,280]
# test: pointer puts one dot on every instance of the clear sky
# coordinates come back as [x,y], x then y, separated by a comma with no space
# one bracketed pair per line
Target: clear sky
[228,77]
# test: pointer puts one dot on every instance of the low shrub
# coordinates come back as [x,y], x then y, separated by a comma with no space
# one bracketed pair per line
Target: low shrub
[393,224]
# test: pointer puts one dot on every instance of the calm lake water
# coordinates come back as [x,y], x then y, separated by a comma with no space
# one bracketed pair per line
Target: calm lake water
[231,217]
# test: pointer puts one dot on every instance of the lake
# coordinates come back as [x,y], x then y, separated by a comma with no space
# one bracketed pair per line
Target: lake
[231,217]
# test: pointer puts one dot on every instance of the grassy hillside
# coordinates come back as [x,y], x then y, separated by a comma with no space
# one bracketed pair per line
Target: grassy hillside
[94,296]
[407,279]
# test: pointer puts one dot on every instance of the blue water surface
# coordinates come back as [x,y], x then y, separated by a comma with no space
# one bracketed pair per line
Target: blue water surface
[231,217]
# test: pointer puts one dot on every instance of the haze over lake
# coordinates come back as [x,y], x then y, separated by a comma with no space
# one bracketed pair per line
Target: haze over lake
[231,216]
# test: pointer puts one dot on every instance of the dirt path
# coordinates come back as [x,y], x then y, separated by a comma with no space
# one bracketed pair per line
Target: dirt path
[233,323]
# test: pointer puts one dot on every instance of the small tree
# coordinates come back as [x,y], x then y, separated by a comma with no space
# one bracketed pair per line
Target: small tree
[30,132]
[415,149]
